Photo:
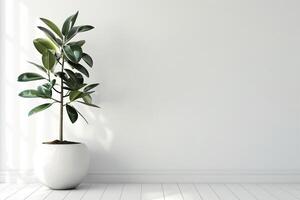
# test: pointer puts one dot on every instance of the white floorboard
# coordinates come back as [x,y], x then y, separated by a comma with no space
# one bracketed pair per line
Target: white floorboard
[240,192]
[39,194]
[113,192]
[172,192]
[223,192]
[11,190]
[57,194]
[206,192]
[189,192]
[95,192]
[24,192]
[132,192]
[158,191]
[79,193]
[277,192]
[258,192]
[152,192]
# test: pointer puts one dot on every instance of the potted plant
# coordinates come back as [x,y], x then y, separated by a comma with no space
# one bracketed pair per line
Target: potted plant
[61,164]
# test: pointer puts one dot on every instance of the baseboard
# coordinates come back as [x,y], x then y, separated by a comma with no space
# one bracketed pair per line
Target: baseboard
[169,176]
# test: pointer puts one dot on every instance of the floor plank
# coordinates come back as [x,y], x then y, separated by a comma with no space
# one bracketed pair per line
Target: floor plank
[277,192]
[152,192]
[58,194]
[95,192]
[113,192]
[223,192]
[11,190]
[172,192]
[258,193]
[291,189]
[40,194]
[24,192]
[78,193]
[189,192]
[132,192]
[240,192]
[206,192]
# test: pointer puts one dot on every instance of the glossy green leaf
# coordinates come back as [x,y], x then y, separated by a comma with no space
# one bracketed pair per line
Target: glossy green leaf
[88,59]
[49,60]
[39,108]
[53,27]
[45,91]
[53,83]
[44,45]
[81,116]
[72,33]
[69,23]
[51,36]
[72,113]
[87,98]
[39,66]
[73,53]
[75,95]
[71,75]
[29,76]
[79,78]
[85,28]
[77,29]
[78,43]
[80,68]
[91,86]
[29,94]
[88,104]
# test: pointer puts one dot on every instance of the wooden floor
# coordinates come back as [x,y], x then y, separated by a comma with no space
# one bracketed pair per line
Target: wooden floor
[154,192]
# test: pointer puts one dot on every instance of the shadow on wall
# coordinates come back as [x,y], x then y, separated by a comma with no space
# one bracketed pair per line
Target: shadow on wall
[20,135]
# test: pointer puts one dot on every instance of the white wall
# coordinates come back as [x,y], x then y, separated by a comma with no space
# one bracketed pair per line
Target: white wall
[188,87]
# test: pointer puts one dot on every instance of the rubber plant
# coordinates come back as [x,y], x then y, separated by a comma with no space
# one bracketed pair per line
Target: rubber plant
[63,72]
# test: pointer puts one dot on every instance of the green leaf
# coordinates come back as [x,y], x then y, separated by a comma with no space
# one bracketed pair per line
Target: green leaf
[73,53]
[61,75]
[51,36]
[79,78]
[77,29]
[53,27]
[82,116]
[44,45]
[71,75]
[48,60]
[75,95]
[29,76]
[72,33]
[91,86]
[69,23]
[53,83]
[87,98]
[85,28]
[38,66]
[87,59]
[39,108]
[72,113]
[78,43]
[29,94]
[80,68]
[88,104]
[45,91]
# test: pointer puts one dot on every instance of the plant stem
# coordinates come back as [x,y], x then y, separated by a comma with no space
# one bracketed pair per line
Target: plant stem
[61,101]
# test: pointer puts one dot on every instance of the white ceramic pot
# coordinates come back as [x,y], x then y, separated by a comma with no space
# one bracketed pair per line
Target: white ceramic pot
[62,166]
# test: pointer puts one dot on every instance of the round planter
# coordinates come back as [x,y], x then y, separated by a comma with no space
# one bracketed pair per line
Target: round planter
[62,166]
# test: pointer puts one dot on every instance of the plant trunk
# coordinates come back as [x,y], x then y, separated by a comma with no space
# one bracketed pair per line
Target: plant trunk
[61,131]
